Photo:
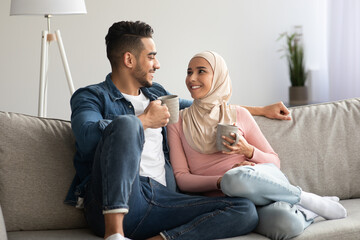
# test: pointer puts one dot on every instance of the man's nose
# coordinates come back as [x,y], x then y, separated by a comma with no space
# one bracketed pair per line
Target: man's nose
[157,64]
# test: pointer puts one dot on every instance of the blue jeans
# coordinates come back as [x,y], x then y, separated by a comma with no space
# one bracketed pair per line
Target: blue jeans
[267,187]
[153,208]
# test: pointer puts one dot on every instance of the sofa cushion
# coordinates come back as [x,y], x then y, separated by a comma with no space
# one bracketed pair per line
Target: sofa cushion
[2,227]
[35,173]
[319,148]
[346,228]
[74,234]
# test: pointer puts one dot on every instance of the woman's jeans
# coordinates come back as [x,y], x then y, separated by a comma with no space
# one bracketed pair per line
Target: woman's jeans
[267,187]
[153,208]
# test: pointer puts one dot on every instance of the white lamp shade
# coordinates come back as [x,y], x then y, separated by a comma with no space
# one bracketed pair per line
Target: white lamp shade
[47,7]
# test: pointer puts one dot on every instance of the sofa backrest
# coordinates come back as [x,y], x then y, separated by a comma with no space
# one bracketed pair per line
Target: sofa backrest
[319,151]
[319,148]
[36,170]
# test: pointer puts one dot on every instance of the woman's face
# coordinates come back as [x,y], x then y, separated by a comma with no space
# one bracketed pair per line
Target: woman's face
[199,77]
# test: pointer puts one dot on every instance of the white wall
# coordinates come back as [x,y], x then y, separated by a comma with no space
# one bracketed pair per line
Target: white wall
[244,32]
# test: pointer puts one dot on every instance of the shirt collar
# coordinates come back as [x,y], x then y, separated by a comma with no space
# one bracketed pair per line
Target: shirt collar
[115,94]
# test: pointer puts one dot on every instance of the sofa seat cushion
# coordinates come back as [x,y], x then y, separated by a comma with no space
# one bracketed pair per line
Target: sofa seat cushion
[2,227]
[73,234]
[347,228]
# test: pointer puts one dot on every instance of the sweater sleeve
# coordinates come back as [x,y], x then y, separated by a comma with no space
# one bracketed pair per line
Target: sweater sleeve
[185,180]
[263,152]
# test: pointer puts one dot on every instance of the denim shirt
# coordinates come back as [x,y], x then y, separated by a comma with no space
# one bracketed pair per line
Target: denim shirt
[93,108]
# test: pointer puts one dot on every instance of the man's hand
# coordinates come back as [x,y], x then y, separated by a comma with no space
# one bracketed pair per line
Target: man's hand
[155,115]
[276,111]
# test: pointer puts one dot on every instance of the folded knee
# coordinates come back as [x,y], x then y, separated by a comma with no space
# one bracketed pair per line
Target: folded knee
[127,125]
[125,122]
[237,183]
[280,220]
[125,129]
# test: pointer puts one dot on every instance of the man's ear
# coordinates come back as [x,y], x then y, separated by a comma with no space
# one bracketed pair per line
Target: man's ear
[129,60]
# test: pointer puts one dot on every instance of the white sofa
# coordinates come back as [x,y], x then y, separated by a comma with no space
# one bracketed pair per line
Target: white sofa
[319,151]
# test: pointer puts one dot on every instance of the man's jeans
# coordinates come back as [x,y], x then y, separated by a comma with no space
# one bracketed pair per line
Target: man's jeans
[153,208]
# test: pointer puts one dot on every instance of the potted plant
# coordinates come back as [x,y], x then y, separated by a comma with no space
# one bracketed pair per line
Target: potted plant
[294,52]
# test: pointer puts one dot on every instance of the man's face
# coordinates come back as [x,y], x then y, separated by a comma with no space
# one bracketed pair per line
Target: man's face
[147,63]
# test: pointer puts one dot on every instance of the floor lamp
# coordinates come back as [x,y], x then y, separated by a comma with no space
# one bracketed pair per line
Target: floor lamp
[48,8]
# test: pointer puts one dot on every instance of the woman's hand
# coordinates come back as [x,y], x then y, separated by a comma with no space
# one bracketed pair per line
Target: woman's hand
[242,147]
[243,163]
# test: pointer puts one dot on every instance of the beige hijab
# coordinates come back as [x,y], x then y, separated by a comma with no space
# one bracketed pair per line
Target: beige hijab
[201,118]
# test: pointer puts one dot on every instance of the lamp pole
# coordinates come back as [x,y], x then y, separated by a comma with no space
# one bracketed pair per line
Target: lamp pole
[48,9]
[46,39]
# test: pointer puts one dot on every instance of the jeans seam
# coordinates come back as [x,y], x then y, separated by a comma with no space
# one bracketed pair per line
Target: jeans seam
[142,142]
[105,185]
[142,220]
[210,200]
[105,182]
[213,214]
[147,211]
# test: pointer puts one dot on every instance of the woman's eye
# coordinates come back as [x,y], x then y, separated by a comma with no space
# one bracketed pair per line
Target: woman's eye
[201,71]
[189,72]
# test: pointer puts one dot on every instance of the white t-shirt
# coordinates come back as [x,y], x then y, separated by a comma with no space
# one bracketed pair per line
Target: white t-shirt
[152,162]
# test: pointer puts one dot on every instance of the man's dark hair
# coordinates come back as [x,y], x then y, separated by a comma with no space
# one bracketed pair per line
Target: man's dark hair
[125,36]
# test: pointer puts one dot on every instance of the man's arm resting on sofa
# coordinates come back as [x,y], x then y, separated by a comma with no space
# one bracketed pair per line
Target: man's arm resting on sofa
[274,111]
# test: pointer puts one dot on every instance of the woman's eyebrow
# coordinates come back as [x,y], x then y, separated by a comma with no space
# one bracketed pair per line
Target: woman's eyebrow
[199,67]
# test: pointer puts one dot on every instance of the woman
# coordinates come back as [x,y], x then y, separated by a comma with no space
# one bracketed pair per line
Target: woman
[250,169]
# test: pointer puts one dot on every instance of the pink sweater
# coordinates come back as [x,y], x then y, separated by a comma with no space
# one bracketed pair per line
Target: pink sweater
[198,172]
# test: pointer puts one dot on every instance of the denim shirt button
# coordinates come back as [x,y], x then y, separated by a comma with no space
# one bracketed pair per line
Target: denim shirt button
[130,106]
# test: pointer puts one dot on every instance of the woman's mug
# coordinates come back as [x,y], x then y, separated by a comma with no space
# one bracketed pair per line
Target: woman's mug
[172,103]
[226,130]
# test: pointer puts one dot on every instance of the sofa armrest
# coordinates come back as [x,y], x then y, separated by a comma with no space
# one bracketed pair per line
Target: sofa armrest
[3,234]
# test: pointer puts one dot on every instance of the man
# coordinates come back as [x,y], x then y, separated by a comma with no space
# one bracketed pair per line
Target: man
[123,176]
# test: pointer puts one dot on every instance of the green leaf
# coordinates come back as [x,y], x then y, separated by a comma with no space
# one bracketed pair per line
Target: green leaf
[294,52]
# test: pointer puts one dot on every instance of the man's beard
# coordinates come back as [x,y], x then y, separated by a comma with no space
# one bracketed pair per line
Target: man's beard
[140,76]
